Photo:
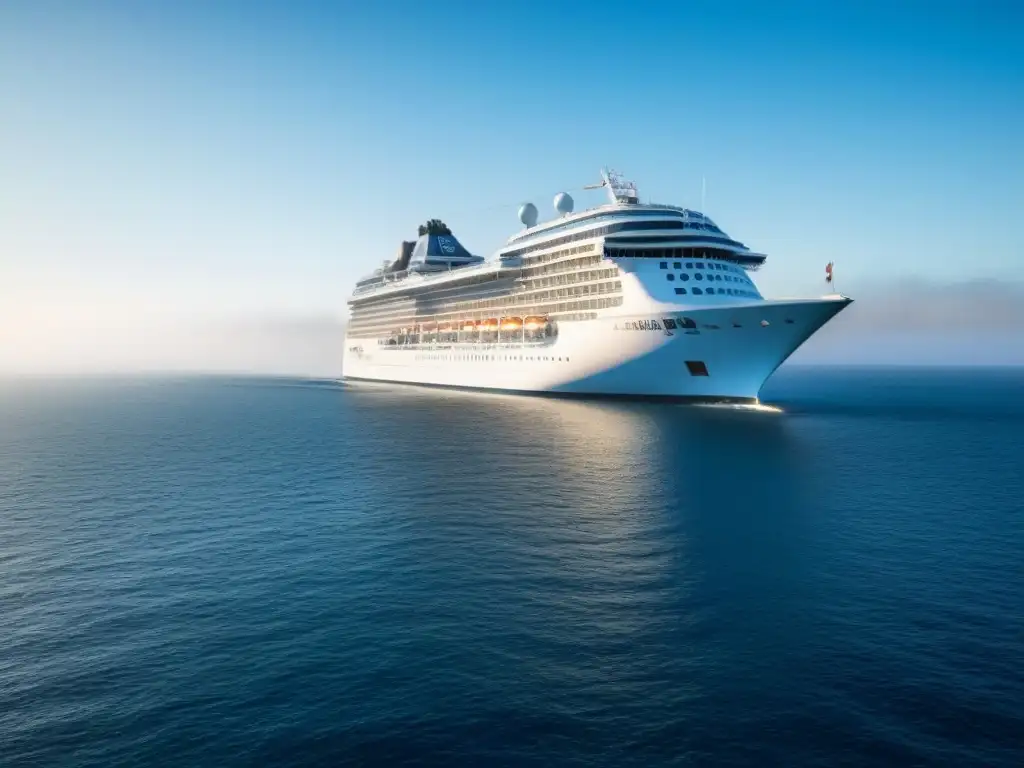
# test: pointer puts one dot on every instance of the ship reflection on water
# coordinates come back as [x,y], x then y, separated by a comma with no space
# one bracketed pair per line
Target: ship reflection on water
[621,543]
[614,525]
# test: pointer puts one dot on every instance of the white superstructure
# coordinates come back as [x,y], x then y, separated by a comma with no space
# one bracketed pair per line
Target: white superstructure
[627,298]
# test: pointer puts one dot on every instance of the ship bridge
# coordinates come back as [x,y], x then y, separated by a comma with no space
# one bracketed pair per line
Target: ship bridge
[638,231]
[631,229]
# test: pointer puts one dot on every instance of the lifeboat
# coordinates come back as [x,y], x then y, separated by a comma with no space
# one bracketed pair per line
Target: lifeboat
[468,325]
[428,327]
[444,327]
[535,323]
[511,323]
[490,324]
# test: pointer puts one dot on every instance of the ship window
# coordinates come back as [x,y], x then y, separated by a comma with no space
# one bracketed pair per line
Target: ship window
[718,278]
[676,265]
[696,368]
[709,290]
[789,321]
[686,322]
[698,276]
[698,292]
[699,265]
[689,265]
[684,277]
[670,276]
[664,264]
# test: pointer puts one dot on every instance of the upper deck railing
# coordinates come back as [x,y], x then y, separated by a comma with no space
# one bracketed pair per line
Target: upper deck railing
[390,279]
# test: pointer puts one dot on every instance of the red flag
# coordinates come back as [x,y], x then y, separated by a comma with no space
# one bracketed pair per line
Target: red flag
[828,272]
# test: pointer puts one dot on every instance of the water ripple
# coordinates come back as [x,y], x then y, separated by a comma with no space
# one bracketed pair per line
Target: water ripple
[254,572]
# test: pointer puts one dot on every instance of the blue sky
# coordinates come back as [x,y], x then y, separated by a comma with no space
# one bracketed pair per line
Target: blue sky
[211,159]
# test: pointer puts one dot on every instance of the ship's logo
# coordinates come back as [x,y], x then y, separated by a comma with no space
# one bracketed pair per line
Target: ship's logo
[647,325]
[446,244]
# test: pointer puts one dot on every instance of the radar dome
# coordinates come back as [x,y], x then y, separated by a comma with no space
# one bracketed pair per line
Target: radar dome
[563,203]
[528,214]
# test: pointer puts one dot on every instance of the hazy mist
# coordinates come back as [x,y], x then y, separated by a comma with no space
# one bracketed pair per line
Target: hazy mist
[915,322]
[906,322]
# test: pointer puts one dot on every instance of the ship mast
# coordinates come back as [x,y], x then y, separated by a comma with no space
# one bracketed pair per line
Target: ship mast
[619,190]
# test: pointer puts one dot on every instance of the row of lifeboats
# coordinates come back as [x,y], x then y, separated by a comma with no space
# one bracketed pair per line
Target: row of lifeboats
[532,323]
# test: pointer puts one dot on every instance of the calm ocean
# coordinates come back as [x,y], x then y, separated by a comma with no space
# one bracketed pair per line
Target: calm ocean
[222,572]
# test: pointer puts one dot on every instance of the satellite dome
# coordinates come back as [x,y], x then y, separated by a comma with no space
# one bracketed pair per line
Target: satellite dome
[528,214]
[563,203]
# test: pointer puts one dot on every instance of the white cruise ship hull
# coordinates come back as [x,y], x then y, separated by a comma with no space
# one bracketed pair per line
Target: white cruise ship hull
[729,354]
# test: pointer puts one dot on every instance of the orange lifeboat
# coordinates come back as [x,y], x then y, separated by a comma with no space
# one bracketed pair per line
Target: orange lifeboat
[428,327]
[468,325]
[535,323]
[444,327]
[490,324]
[511,323]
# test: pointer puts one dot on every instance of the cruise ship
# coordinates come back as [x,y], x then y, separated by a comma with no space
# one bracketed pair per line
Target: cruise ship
[626,298]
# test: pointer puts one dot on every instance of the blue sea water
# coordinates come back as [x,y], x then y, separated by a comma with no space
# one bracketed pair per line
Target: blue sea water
[265,572]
